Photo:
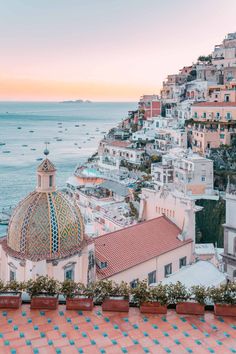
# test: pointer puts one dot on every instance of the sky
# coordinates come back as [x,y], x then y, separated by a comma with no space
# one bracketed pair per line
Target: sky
[103,50]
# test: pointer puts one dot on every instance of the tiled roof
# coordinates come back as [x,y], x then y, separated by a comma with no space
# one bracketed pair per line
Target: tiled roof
[95,332]
[136,244]
[215,104]
[119,143]
[46,166]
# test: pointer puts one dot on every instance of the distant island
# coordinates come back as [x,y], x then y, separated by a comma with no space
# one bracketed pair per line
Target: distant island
[77,101]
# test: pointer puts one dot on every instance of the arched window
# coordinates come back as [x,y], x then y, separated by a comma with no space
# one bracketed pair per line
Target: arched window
[234,273]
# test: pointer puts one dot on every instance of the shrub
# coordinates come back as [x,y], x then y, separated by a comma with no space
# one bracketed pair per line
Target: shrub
[178,293]
[42,285]
[199,293]
[224,294]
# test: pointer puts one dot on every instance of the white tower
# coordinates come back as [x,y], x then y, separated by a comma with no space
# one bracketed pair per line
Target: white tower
[229,256]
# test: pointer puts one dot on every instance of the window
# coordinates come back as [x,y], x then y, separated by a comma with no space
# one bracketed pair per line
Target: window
[228,115]
[204,115]
[103,265]
[69,273]
[12,275]
[152,277]
[195,114]
[203,178]
[50,180]
[222,136]
[39,181]
[182,262]
[168,269]
[133,283]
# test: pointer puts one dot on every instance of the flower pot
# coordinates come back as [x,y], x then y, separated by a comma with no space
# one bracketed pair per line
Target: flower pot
[82,304]
[10,300]
[225,310]
[153,307]
[190,308]
[44,302]
[116,305]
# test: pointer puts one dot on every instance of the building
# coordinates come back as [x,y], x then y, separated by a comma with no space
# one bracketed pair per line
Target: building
[46,235]
[229,255]
[149,250]
[149,106]
[214,125]
[185,172]
[112,152]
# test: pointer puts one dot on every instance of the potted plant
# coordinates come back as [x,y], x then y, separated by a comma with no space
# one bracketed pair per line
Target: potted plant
[150,300]
[224,299]
[188,302]
[114,297]
[78,296]
[44,293]
[10,294]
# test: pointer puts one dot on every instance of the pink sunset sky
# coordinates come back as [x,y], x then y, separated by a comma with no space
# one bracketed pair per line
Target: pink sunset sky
[104,50]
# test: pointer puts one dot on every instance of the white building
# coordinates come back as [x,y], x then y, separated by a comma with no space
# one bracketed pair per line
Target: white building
[185,172]
[229,255]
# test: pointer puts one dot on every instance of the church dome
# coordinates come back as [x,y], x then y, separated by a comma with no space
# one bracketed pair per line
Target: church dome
[47,224]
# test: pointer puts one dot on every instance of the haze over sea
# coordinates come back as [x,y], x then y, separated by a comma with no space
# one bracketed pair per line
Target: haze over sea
[24,128]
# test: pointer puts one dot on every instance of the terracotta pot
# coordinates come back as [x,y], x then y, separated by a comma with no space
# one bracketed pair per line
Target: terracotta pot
[225,310]
[10,301]
[116,305]
[190,308]
[83,304]
[44,302]
[153,307]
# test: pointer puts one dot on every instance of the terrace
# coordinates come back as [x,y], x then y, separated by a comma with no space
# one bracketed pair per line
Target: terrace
[95,332]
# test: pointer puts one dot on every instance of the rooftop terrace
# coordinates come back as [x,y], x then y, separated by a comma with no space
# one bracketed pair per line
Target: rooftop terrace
[45,332]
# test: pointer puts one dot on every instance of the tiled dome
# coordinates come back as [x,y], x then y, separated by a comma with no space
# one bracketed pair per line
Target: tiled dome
[45,225]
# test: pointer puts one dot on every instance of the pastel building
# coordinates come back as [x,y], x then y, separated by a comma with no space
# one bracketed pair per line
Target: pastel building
[185,172]
[150,106]
[150,250]
[229,254]
[214,125]
[112,152]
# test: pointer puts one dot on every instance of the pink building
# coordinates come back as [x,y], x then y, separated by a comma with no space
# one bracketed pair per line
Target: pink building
[214,125]
[150,250]
[150,105]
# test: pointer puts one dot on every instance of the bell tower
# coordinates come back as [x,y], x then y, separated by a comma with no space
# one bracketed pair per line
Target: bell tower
[46,175]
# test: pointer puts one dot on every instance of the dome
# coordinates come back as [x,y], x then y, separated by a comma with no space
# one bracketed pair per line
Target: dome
[45,225]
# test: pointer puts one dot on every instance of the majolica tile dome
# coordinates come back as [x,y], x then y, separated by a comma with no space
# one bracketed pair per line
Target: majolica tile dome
[46,224]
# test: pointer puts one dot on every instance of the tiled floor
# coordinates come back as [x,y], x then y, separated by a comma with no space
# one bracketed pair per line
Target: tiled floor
[24,331]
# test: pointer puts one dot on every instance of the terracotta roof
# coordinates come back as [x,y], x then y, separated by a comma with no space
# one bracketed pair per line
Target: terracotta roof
[136,244]
[46,166]
[119,143]
[215,104]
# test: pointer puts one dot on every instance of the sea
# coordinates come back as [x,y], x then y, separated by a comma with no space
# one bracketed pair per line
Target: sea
[72,132]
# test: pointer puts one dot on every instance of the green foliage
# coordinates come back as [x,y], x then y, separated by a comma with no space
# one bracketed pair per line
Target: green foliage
[106,288]
[209,222]
[42,285]
[159,293]
[199,294]
[205,58]
[225,294]
[178,293]
[71,289]
[141,293]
